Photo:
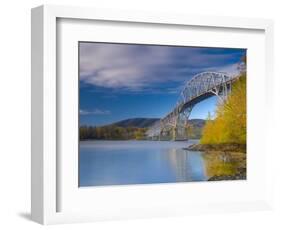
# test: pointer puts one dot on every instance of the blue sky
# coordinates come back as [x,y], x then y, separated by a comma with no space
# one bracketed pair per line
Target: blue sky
[121,81]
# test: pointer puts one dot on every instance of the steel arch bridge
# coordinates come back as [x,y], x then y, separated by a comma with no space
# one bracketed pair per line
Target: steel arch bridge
[199,88]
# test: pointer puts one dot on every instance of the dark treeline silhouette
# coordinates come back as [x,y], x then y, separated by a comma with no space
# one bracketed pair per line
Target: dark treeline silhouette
[111,132]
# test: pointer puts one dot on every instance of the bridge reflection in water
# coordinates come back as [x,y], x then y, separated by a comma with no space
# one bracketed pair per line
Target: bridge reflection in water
[200,87]
[188,165]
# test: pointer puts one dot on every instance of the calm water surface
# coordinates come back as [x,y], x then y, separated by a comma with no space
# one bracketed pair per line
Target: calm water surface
[140,162]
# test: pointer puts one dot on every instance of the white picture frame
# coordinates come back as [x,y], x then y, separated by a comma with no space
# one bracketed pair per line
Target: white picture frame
[45,161]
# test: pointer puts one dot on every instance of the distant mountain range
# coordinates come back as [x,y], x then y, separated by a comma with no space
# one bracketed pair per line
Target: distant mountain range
[135,129]
[199,123]
[147,122]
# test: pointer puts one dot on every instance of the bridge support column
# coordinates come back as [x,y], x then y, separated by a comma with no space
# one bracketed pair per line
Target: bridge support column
[174,134]
[175,128]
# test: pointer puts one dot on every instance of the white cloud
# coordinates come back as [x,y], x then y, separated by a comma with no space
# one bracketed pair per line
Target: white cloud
[119,66]
[135,68]
[94,112]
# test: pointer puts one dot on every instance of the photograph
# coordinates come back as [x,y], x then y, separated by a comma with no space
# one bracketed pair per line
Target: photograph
[153,113]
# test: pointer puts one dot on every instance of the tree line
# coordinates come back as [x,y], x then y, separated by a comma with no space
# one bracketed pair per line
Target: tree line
[111,132]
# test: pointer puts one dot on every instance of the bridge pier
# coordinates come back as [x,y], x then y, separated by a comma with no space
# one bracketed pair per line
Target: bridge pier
[174,133]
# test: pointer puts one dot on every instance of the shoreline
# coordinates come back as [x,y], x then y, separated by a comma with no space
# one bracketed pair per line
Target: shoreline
[231,147]
[238,150]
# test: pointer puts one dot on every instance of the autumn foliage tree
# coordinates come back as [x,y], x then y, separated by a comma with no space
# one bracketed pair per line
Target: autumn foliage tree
[229,125]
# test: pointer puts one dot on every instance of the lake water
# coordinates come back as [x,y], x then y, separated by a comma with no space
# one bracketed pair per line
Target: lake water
[143,162]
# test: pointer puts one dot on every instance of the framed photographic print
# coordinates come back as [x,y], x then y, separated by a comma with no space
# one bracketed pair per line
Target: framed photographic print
[138,114]
[141,116]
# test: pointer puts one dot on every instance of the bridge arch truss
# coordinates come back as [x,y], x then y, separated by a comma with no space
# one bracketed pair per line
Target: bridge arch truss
[197,89]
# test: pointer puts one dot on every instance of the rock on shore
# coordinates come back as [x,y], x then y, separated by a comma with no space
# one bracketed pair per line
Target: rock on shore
[240,175]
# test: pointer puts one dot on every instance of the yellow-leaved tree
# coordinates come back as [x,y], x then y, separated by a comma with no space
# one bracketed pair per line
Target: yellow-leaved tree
[229,125]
